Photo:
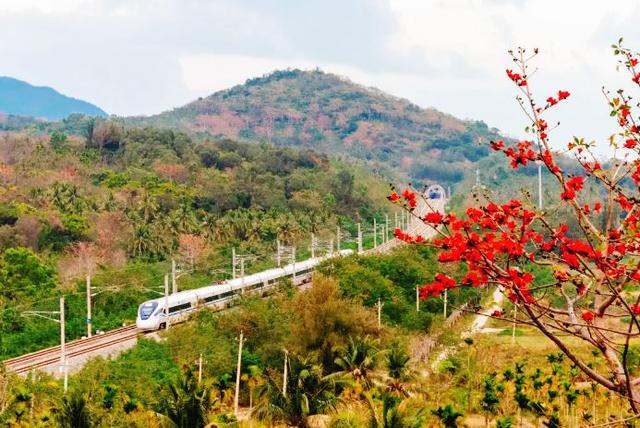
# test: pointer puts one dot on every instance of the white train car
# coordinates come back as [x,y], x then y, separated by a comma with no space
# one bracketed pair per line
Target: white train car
[175,308]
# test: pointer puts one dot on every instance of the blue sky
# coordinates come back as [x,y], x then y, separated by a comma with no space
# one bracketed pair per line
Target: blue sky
[146,56]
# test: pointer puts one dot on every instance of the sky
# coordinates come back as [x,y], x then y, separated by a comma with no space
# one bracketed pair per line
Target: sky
[134,57]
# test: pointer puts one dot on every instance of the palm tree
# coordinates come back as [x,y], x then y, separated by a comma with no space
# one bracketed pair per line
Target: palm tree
[308,393]
[394,413]
[187,403]
[253,378]
[65,197]
[287,228]
[183,218]
[147,207]
[448,415]
[74,411]
[224,385]
[356,361]
[144,241]
[213,228]
[397,363]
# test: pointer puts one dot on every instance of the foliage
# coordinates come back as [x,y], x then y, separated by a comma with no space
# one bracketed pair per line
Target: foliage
[187,403]
[448,415]
[74,411]
[594,275]
[308,393]
[24,275]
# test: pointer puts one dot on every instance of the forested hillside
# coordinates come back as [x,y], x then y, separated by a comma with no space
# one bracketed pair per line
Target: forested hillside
[331,114]
[118,203]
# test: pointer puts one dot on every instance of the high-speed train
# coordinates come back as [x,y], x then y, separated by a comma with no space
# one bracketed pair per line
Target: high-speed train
[152,314]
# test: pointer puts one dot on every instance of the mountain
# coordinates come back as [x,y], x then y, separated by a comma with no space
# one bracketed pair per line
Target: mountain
[331,114]
[22,99]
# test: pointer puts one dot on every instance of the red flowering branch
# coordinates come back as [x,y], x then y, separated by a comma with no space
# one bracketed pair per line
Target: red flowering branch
[594,259]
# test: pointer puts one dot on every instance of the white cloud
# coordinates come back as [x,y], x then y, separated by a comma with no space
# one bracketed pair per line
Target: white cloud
[45,7]
[145,56]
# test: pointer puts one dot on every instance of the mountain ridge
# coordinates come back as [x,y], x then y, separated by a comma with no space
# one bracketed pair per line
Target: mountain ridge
[334,115]
[20,98]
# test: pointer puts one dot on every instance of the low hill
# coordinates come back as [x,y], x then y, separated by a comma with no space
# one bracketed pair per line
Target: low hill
[331,114]
[19,98]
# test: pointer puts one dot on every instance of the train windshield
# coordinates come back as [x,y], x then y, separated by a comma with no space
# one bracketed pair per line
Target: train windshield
[146,309]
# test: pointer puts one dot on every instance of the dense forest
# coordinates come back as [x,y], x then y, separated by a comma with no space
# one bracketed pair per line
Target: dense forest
[86,196]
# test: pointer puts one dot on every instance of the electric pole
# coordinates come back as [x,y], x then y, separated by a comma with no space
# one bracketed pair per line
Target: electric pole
[237,394]
[63,350]
[379,313]
[278,252]
[375,233]
[233,262]
[89,332]
[293,259]
[166,301]
[338,238]
[539,184]
[56,316]
[513,328]
[359,239]
[417,299]
[284,374]
[200,369]
[313,245]
[386,228]
[242,271]
[174,284]
[445,303]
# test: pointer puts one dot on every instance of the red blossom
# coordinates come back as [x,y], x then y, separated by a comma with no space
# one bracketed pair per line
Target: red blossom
[571,187]
[434,217]
[588,316]
[497,145]
[563,95]
[625,204]
[393,197]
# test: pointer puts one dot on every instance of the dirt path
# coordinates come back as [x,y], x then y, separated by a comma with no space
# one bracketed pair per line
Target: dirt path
[477,326]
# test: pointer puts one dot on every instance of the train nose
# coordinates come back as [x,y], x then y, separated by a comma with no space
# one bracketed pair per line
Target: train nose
[148,324]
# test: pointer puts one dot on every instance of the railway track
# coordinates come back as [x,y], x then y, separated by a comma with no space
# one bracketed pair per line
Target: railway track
[51,356]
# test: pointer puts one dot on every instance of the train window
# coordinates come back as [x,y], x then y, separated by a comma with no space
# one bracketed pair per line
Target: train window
[212,298]
[147,309]
[179,307]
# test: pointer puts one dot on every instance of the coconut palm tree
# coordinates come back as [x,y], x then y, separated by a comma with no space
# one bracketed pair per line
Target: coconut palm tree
[147,207]
[73,411]
[287,228]
[187,403]
[308,393]
[253,378]
[389,411]
[183,219]
[356,361]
